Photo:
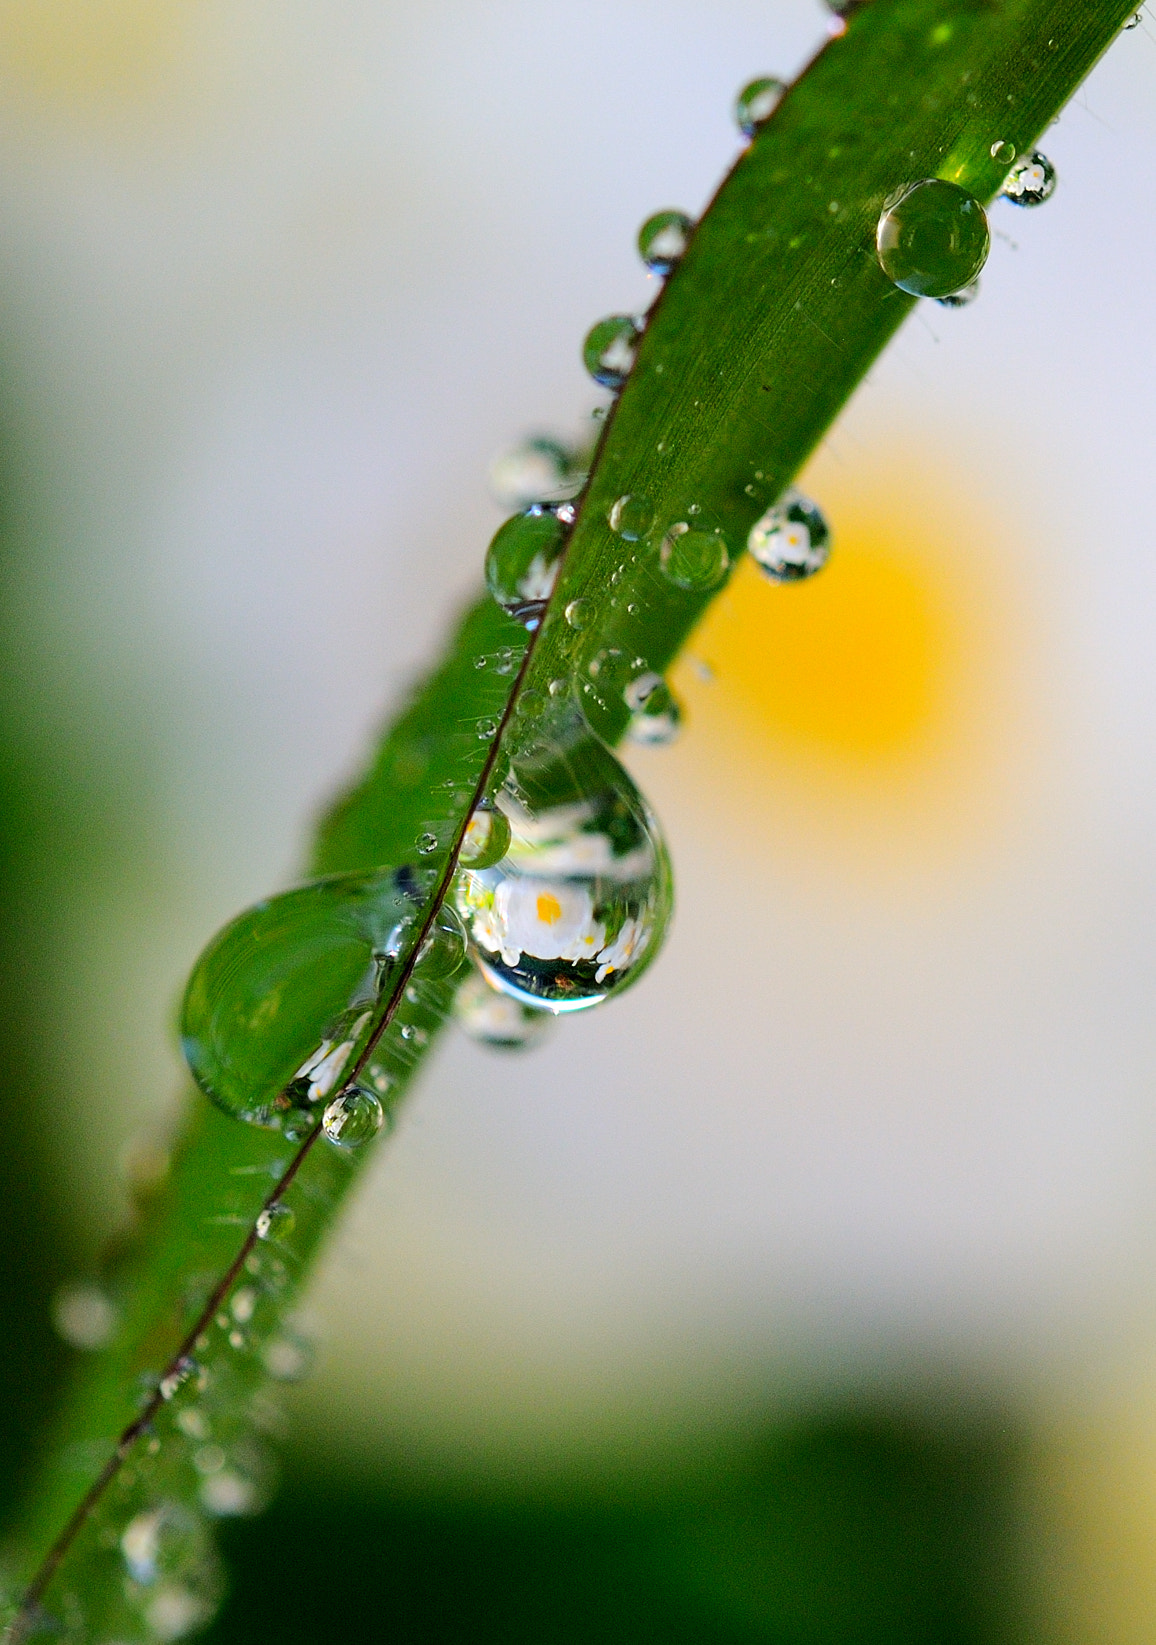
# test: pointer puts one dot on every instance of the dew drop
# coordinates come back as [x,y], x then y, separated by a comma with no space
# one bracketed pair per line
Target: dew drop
[276,1222]
[84,1316]
[496,1019]
[694,559]
[353,1118]
[933,239]
[486,838]
[524,559]
[579,904]
[610,347]
[1134,22]
[1030,182]
[175,1379]
[792,540]
[426,843]
[655,717]
[279,1000]
[662,239]
[578,613]
[631,516]
[1003,152]
[757,101]
[487,730]
[960,299]
[537,470]
[287,1357]
[444,950]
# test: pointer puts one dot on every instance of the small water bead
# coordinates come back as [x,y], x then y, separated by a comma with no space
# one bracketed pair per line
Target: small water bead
[281,999]
[84,1316]
[1134,22]
[494,1018]
[792,540]
[486,839]
[487,730]
[757,101]
[1030,182]
[960,299]
[537,470]
[276,1222]
[426,844]
[175,1379]
[579,905]
[933,239]
[694,559]
[287,1357]
[631,516]
[524,559]
[662,239]
[578,614]
[1003,152]
[610,349]
[656,717]
[353,1118]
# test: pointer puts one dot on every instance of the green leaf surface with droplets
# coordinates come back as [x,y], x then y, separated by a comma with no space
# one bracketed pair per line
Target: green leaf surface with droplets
[774,314]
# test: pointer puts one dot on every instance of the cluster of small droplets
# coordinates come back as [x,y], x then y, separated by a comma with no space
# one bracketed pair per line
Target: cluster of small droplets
[1031,181]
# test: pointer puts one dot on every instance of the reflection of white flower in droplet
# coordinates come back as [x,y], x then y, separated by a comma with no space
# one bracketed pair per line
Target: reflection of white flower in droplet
[538,579]
[547,919]
[624,950]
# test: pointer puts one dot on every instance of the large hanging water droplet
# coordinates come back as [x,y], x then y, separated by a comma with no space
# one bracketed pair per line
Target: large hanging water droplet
[662,239]
[757,101]
[538,470]
[494,1018]
[933,239]
[792,540]
[281,1000]
[610,347]
[524,559]
[631,516]
[353,1118]
[578,906]
[694,559]
[655,715]
[1030,182]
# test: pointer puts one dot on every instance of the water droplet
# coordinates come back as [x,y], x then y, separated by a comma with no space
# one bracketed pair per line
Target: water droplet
[1003,152]
[960,299]
[176,1378]
[579,904]
[444,950]
[244,1304]
[694,559]
[631,517]
[1030,182]
[578,613]
[167,1540]
[426,843]
[792,540]
[757,101]
[486,838]
[662,240]
[523,562]
[280,998]
[487,730]
[933,239]
[656,717]
[537,470]
[287,1357]
[1134,22]
[84,1316]
[496,1019]
[276,1222]
[480,662]
[353,1118]
[610,347]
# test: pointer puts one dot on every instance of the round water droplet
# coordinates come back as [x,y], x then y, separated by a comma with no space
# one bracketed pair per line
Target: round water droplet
[487,730]
[444,950]
[578,906]
[1134,22]
[276,1222]
[1030,182]
[84,1316]
[1003,152]
[610,347]
[493,1018]
[353,1118]
[486,838]
[523,562]
[167,1540]
[757,101]
[537,470]
[792,540]
[579,613]
[426,843]
[694,559]
[656,717]
[279,1000]
[631,517]
[960,299]
[933,240]
[662,240]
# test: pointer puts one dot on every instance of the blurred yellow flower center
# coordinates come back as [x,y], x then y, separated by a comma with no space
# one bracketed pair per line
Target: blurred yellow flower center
[549,908]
